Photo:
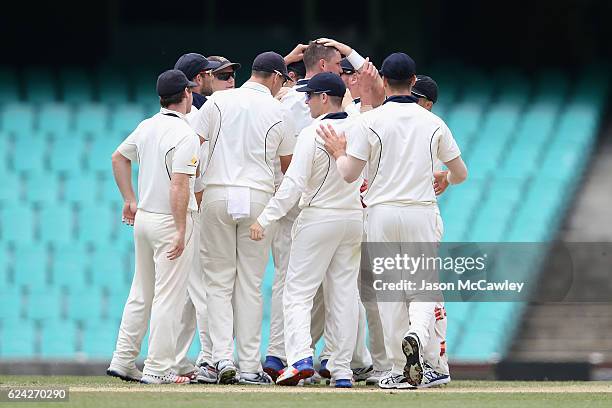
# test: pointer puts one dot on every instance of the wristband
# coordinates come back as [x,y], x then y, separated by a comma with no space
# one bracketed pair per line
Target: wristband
[356,60]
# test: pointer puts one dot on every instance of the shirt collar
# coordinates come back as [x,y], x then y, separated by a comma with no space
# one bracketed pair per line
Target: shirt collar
[256,87]
[170,112]
[356,101]
[301,82]
[198,100]
[401,99]
[333,115]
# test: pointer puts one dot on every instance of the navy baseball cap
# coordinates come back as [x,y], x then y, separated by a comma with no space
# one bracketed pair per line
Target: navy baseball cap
[325,82]
[347,67]
[398,66]
[172,82]
[425,87]
[271,62]
[298,67]
[193,63]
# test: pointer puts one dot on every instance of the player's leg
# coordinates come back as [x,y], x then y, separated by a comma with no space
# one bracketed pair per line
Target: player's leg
[137,310]
[219,263]
[171,278]
[361,363]
[342,301]
[318,331]
[205,357]
[252,258]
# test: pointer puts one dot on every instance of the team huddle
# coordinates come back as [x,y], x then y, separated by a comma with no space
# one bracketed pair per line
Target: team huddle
[315,154]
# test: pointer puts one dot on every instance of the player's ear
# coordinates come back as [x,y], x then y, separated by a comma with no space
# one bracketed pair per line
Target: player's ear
[413,80]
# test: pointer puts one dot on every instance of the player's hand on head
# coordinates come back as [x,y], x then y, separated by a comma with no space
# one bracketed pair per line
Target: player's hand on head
[129,212]
[296,55]
[440,182]
[328,42]
[257,232]
[178,246]
[335,143]
[281,94]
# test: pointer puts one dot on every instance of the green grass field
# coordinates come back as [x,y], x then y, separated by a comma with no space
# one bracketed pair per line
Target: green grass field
[106,392]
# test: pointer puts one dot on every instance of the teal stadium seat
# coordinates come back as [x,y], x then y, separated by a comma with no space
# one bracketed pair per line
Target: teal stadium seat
[42,187]
[85,305]
[55,118]
[99,157]
[97,223]
[17,224]
[10,190]
[115,304]
[99,338]
[29,153]
[551,87]
[69,264]
[125,118]
[76,86]
[92,119]
[44,304]
[513,88]
[9,81]
[57,224]
[144,87]
[496,211]
[112,87]
[10,302]
[464,121]
[459,208]
[477,89]
[18,118]
[108,266]
[82,188]
[58,339]
[40,85]
[4,266]
[18,339]
[30,266]
[66,155]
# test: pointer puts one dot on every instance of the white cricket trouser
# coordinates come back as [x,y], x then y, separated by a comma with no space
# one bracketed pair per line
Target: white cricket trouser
[325,250]
[376,343]
[281,248]
[194,311]
[158,293]
[234,267]
[403,224]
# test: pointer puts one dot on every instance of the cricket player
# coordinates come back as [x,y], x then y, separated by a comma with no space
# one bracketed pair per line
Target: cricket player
[399,141]
[247,130]
[323,55]
[326,241]
[166,149]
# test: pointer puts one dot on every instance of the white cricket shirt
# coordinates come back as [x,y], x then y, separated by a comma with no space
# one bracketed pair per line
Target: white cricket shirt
[162,145]
[247,130]
[312,177]
[400,141]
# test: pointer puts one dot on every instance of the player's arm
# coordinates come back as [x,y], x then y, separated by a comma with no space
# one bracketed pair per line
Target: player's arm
[296,55]
[122,171]
[291,187]
[351,55]
[184,166]
[457,171]
[450,155]
[371,87]
[349,166]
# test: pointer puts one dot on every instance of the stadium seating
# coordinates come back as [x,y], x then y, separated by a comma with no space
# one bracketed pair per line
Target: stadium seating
[66,261]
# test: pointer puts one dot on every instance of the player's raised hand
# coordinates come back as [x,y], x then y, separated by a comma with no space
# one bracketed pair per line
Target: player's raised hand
[335,144]
[283,91]
[440,182]
[129,212]
[178,246]
[342,48]
[257,232]
[296,55]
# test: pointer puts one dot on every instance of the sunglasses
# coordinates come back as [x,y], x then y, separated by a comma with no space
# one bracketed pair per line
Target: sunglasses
[225,76]
[309,94]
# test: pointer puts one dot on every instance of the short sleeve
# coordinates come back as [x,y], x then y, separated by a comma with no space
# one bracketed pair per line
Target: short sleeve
[288,136]
[186,155]
[447,146]
[129,148]
[358,142]
[201,120]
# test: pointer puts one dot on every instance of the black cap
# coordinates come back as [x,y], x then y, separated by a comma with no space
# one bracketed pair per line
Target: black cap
[271,62]
[325,82]
[192,64]
[298,67]
[172,82]
[398,66]
[218,63]
[425,87]
[347,67]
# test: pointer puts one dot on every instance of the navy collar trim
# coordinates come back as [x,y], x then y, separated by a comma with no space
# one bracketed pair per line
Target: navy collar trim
[301,82]
[335,115]
[401,99]
[356,101]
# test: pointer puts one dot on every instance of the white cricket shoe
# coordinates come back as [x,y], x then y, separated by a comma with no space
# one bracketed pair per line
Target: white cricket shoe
[393,381]
[227,373]
[432,378]
[261,378]
[131,374]
[169,378]
[207,374]
[362,373]
[375,376]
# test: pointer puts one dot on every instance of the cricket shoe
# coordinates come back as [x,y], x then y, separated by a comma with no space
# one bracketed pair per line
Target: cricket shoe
[192,375]
[375,376]
[207,374]
[273,366]
[362,373]
[432,378]
[261,378]
[226,372]
[130,375]
[169,378]
[312,380]
[323,371]
[413,370]
[343,383]
[301,370]
[393,381]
